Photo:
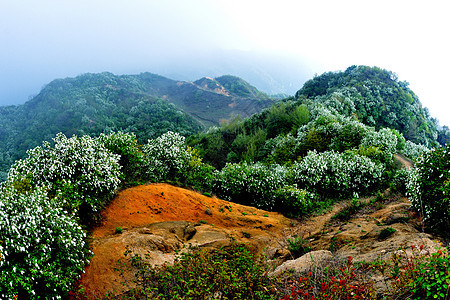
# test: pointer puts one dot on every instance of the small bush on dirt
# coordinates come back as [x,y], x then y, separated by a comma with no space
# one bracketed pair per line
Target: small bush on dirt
[297,246]
[350,209]
[227,273]
[386,232]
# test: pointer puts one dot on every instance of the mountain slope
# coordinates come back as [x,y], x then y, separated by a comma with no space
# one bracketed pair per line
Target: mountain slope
[377,98]
[146,104]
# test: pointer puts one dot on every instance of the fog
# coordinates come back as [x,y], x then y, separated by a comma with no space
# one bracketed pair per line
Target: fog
[275,46]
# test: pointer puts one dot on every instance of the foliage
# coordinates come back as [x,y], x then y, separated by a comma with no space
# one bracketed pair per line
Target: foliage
[344,285]
[296,245]
[377,98]
[42,248]
[386,232]
[330,174]
[292,201]
[416,274]
[79,171]
[428,188]
[126,146]
[250,184]
[226,273]
[351,208]
[414,151]
[165,156]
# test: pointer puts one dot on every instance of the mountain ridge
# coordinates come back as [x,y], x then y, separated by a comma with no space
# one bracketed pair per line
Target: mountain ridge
[147,104]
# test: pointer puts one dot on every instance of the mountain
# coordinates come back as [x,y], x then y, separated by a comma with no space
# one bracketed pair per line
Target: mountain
[377,98]
[146,104]
[335,111]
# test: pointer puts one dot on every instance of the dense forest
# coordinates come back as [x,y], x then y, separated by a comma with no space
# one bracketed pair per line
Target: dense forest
[146,104]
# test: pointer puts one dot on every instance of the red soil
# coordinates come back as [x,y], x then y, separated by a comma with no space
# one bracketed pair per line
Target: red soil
[143,205]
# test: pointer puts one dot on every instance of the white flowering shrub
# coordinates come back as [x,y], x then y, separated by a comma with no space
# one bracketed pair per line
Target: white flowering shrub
[166,156]
[414,151]
[131,156]
[385,139]
[330,174]
[428,188]
[42,249]
[79,171]
[250,184]
[292,201]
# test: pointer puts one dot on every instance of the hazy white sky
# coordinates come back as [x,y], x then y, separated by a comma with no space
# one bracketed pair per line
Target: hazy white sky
[47,39]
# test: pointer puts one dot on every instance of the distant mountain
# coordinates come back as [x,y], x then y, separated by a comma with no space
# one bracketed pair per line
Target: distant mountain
[146,104]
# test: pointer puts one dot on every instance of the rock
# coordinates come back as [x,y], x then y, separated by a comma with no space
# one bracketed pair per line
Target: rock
[189,232]
[208,212]
[395,218]
[304,263]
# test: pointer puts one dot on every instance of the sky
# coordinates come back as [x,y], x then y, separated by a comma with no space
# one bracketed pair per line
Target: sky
[48,39]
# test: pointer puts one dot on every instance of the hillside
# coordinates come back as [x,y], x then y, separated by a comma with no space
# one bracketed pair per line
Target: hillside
[335,111]
[377,98]
[146,104]
[306,163]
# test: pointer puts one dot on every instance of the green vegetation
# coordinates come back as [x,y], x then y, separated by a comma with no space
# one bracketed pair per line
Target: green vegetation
[145,104]
[429,189]
[295,157]
[227,273]
[386,232]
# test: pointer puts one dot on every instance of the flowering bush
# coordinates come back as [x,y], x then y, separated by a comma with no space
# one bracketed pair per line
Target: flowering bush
[331,174]
[414,151]
[79,171]
[131,157]
[42,249]
[250,184]
[385,139]
[165,156]
[427,188]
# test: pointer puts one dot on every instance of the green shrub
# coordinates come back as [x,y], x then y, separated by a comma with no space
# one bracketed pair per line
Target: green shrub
[386,232]
[418,276]
[42,249]
[228,273]
[292,201]
[296,245]
[131,157]
[78,171]
[428,188]
[250,184]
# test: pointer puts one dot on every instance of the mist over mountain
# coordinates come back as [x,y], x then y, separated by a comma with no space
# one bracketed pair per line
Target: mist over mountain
[146,104]
[269,73]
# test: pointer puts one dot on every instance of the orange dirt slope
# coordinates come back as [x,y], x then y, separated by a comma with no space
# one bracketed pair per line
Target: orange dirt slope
[139,208]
